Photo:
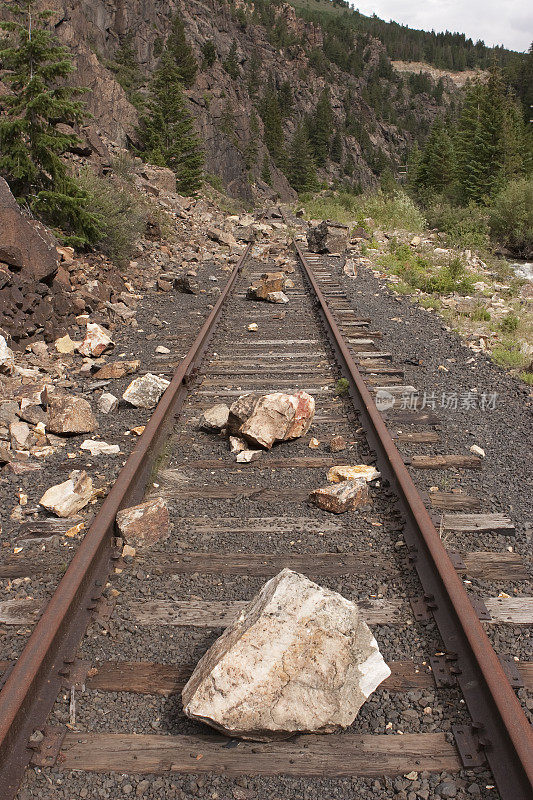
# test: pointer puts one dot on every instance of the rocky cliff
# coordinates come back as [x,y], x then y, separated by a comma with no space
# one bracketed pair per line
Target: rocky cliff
[111,39]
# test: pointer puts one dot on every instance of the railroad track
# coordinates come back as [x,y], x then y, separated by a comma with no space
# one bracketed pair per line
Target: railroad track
[235,525]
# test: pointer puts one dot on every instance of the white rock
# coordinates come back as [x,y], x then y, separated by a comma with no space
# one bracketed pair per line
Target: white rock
[7,362]
[20,434]
[253,326]
[298,658]
[144,392]
[245,456]
[96,342]
[236,444]
[66,499]
[277,297]
[162,350]
[263,420]
[107,402]
[99,448]
[478,451]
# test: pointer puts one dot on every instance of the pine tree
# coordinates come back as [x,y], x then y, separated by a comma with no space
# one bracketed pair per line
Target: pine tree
[182,54]
[266,175]
[301,170]
[437,166]
[272,124]
[166,131]
[320,125]
[31,145]
[230,63]
[336,148]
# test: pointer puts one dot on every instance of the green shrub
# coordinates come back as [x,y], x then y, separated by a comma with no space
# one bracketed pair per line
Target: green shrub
[480,314]
[511,216]
[341,387]
[507,354]
[509,323]
[124,215]
[465,226]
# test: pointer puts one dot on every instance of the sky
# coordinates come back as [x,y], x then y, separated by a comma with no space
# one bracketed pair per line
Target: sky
[507,22]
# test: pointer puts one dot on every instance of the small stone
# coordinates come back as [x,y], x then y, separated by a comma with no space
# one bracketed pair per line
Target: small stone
[215,418]
[65,345]
[236,445]
[245,456]
[138,430]
[415,241]
[107,402]
[162,350]
[447,789]
[299,657]
[253,326]
[341,497]
[337,444]
[146,523]
[117,369]
[144,392]
[69,414]
[128,550]
[99,448]
[313,443]
[7,362]
[66,499]
[478,451]
[277,297]
[347,473]
[96,342]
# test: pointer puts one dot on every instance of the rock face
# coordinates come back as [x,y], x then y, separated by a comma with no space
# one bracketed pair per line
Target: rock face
[70,415]
[298,658]
[341,497]
[328,237]
[24,244]
[269,418]
[66,499]
[144,392]
[215,418]
[144,524]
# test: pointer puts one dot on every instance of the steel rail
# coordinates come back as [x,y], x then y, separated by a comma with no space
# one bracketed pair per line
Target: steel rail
[32,687]
[503,731]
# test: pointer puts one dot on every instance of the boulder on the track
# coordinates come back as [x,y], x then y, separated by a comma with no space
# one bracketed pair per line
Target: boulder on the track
[275,417]
[269,283]
[215,418]
[341,497]
[277,297]
[328,237]
[69,415]
[67,498]
[299,658]
[144,524]
[144,392]
[96,342]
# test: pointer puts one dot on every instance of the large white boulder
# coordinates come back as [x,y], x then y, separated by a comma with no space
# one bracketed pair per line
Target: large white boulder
[298,658]
[275,417]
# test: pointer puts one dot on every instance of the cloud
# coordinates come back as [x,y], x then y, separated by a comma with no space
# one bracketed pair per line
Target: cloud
[506,23]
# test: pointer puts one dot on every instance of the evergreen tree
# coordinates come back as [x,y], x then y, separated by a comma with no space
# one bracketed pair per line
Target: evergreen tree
[436,168]
[31,145]
[272,124]
[254,72]
[179,49]
[320,125]
[209,53]
[230,63]
[285,99]
[301,170]
[166,131]
[336,148]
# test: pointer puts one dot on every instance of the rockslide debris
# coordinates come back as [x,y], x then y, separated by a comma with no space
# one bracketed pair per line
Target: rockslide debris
[298,658]
[275,417]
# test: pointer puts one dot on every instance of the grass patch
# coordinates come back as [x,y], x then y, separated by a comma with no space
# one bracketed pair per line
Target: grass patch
[394,211]
[418,272]
[508,354]
[341,387]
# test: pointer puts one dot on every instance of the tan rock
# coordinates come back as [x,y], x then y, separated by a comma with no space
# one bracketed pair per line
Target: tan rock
[277,297]
[66,499]
[70,414]
[347,473]
[96,342]
[20,434]
[269,282]
[107,402]
[337,444]
[144,392]
[341,497]
[276,417]
[117,369]
[298,658]
[215,418]
[145,524]
[65,345]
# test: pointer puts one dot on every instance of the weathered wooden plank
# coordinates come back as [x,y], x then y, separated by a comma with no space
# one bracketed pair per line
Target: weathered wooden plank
[412,417]
[168,679]
[220,613]
[41,528]
[495,523]
[514,610]
[334,756]
[451,501]
[417,437]
[495,566]
[446,462]
[259,495]
[19,612]
[262,463]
